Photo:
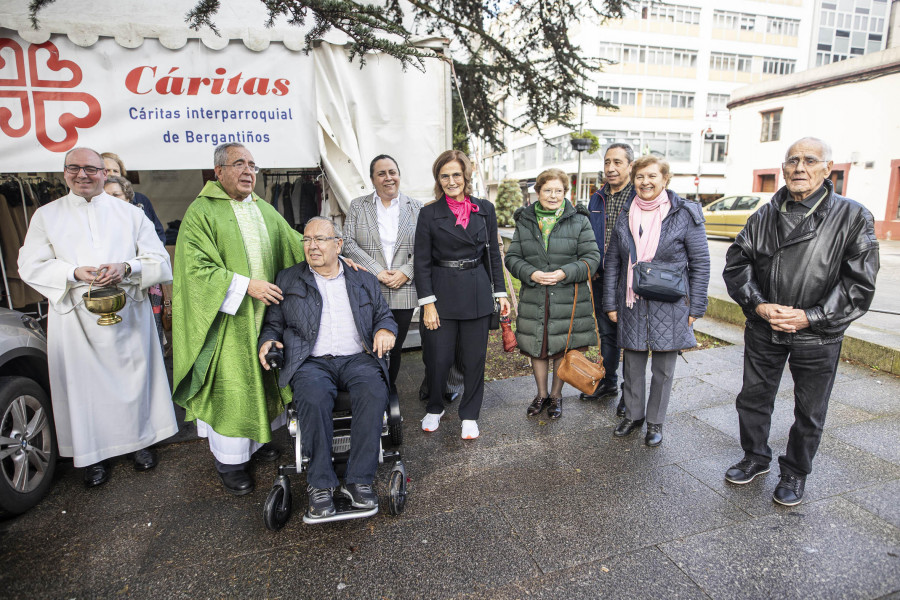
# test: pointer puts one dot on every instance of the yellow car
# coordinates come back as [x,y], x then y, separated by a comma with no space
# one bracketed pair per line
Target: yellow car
[727,216]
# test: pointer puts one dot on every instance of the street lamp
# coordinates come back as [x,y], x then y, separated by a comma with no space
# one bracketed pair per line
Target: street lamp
[704,134]
[579,145]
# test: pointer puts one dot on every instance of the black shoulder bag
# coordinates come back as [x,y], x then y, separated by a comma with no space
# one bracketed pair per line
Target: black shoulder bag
[659,281]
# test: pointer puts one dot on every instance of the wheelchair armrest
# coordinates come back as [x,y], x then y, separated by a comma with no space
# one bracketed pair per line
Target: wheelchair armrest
[394,408]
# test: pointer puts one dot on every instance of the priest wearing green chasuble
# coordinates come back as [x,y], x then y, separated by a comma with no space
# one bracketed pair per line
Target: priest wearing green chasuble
[231,244]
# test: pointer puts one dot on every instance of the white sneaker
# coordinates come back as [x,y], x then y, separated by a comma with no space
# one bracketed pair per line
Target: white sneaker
[469,429]
[431,421]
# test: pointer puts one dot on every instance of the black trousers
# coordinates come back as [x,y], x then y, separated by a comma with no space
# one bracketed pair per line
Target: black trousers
[440,345]
[813,368]
[403,316]
[454,380]
[609,342]
[315,386]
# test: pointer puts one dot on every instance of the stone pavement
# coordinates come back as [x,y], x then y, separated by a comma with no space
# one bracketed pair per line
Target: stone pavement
[533,509]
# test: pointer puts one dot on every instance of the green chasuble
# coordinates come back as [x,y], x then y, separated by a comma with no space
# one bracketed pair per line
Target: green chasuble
[217,375]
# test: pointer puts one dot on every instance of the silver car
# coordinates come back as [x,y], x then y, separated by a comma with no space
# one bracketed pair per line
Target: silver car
[27,436]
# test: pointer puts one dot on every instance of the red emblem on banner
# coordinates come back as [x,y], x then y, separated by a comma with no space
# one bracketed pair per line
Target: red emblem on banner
[41,91]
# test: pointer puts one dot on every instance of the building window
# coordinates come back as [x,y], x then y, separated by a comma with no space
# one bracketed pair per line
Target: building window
[719,61]
[780,26]
[723,19]
[525,157]
[716,102]
[771,126]
[778,66]
[618,96]
[558,150]
[714,148]
[652,55]
[654,10]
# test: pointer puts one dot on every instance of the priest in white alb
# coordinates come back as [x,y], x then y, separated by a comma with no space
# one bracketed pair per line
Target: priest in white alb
[108,384]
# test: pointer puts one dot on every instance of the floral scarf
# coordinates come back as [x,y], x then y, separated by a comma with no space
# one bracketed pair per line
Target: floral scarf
[547,219]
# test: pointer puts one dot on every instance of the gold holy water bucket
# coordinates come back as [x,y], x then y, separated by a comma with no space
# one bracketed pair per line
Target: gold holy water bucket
[105,302]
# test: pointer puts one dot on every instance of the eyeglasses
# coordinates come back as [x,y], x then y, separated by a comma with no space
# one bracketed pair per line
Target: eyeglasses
[241,165]
[319,239]
[808,161]
[455,176]
[553,193]
[88,170]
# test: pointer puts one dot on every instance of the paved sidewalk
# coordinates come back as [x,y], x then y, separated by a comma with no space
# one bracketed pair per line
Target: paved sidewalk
[533,509]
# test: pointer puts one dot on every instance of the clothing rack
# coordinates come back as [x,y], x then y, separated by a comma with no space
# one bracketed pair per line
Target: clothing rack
[23,182]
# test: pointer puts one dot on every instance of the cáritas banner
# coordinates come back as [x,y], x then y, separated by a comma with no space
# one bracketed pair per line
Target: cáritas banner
[163,109]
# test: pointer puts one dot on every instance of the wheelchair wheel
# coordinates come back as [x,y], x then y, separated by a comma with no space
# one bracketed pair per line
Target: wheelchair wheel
[277,509]
[397,491]
[396,431]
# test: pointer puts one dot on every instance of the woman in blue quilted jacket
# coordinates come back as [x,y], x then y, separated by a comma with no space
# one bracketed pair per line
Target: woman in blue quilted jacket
[660,227]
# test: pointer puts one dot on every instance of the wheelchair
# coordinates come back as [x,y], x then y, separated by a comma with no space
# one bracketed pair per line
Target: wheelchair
[277,508]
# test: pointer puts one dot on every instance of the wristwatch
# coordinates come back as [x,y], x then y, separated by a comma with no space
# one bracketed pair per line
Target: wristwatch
[127,271]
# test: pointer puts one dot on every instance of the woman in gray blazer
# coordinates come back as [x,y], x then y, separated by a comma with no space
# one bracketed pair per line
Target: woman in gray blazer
[380,232]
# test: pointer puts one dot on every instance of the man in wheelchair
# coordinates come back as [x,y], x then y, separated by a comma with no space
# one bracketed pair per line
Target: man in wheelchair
[336,331]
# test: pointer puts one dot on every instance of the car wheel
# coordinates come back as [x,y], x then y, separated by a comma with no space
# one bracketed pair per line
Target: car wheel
[27,444]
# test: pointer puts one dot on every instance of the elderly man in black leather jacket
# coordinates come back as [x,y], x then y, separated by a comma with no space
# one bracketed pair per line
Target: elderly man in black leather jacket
[336,330]
[802,270]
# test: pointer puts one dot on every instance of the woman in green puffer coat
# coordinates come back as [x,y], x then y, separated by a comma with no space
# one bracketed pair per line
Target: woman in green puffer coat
[552,242]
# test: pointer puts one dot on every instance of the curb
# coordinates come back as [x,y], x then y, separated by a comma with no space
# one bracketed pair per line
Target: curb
[871,354]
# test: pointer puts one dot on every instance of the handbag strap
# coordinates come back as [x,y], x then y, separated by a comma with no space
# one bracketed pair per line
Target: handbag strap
[593,308]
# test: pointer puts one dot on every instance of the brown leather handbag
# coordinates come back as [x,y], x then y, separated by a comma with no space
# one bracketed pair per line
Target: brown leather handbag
[575,368]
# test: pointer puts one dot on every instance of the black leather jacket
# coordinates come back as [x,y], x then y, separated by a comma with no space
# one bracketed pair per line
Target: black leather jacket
[826,266]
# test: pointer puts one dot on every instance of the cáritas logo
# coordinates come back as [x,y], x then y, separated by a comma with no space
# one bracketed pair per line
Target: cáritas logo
[33,92]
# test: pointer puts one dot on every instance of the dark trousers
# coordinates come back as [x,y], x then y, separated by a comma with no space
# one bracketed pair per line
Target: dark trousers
[609,342]
[440,351]
[454,379]
[813,368]
[403,316]
[315,386]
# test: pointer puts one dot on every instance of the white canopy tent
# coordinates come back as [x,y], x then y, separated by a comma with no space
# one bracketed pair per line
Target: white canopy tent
[253,84]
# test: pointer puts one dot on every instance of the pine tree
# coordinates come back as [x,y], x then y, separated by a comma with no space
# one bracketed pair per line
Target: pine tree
[509,198]
[499,49]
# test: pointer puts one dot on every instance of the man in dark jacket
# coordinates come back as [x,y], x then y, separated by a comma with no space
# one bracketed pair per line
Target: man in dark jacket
[337,329]
[605,206]
[802,269]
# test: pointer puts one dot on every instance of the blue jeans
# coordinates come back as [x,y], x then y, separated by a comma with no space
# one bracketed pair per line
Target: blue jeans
[609,332]
[315,386]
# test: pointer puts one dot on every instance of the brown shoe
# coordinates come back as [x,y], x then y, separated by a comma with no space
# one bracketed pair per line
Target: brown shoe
[554,409]
[537,405]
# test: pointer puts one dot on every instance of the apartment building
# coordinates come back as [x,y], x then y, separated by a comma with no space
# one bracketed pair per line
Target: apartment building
[672,69]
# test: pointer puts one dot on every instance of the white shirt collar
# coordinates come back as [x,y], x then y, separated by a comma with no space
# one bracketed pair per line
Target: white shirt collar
[340,272]
[394,200]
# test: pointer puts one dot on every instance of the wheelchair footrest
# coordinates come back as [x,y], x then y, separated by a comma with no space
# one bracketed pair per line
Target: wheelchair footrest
[344,511]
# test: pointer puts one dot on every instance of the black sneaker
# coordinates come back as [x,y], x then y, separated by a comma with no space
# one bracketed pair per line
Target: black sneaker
[321,504]
[361,495]
[745,471]
[789,491]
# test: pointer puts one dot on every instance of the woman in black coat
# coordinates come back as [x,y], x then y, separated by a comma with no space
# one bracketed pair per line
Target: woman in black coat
[458,275]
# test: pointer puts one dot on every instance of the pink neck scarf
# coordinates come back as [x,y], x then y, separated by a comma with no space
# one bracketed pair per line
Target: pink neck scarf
[462,210]
[646,244]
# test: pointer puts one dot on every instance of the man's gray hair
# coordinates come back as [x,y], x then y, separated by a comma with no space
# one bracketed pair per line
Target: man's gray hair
[221,153]
[334,226]
[66,157]
[629,152]
[826,148]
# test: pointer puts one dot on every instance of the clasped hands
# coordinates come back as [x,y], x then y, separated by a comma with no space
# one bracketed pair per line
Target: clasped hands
[106,274]
[393,279]
[783,318]
[432,321]
[544,278]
